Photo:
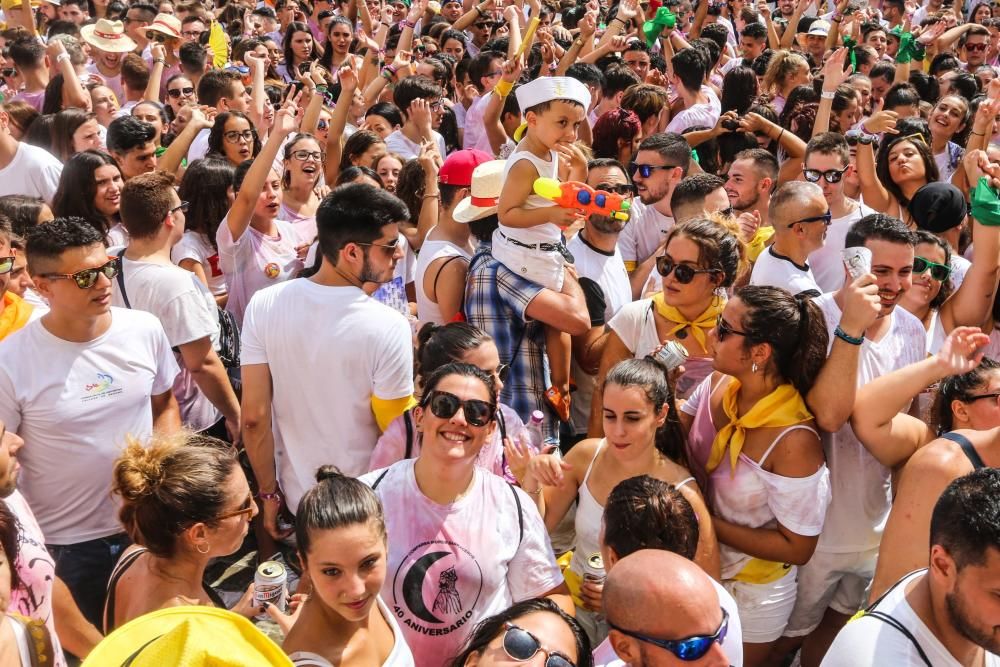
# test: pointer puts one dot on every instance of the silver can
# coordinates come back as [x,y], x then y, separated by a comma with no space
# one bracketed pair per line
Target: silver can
[593,569]
[270,585]
[671,355]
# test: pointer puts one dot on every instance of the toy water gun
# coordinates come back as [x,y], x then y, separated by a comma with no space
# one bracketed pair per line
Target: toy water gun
[663,18]
[573,194]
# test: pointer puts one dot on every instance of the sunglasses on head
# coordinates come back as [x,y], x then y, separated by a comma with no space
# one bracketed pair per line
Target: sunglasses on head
[624,189]
[683,273]
[939,272]
[826,219]
[646,170]
[831,176]
[87,278]
[521,645]
[445,406]
[689,649]
[175,93]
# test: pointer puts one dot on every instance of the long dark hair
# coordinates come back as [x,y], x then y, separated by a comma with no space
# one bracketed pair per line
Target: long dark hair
[719,247]
[203,188]
[78,187]
[326,60]
[286,46]
[336,501]
[23,211]
[931,172]
[739,90]
[959,388]
[793,326]
[217,134]
[438,345]
[67,122]
[490,628]
[651,376]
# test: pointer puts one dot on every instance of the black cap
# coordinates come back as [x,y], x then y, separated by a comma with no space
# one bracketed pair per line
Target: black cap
[938,207]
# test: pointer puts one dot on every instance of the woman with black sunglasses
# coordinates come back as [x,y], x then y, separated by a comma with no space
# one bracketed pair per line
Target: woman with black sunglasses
[521,632]
[184,501]
[753,445]
[701,259]
[464,544]
[455,342]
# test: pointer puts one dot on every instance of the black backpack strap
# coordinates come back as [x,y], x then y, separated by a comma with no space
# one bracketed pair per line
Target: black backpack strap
[121,277]
[408,422]
[378,480]
[967,448]
[437,276]
[520,515]
[889,620]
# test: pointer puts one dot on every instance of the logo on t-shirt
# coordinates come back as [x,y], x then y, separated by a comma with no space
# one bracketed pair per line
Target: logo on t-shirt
[272,270]
[436,587]
[102,387]
[213,263]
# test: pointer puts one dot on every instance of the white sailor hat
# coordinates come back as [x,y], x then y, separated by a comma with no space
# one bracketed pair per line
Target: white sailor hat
[549,88]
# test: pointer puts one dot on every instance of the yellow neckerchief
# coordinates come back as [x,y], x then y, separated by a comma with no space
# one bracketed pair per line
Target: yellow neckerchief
[699,326]
[15,314]
[782,407]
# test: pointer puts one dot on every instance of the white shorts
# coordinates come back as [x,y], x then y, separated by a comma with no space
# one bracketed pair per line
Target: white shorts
[541,267]
[839,581]
[764,608]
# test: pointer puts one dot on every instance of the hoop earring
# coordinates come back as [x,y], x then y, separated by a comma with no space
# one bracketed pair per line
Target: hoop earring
[753,368]
[200,551]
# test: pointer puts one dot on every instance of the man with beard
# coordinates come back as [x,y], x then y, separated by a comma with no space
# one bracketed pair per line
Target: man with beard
[832,585]
[659,165]
[352,381]
[800,217]
[948,613]
[604,281]
[751,178]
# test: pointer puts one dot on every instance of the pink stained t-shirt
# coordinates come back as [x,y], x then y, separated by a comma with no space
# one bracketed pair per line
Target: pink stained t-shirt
[255,261]
[451,566]
[37,571]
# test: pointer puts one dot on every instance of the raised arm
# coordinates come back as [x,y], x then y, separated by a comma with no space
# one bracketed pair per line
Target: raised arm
[73,93]
[172,158]
[874,193]
[338,121]
[834,75]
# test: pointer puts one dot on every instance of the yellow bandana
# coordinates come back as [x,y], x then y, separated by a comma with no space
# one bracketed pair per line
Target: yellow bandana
[15,314]
[782,407]
[699,326]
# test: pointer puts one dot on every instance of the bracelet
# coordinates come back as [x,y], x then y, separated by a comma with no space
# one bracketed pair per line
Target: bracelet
[387,75]
[503,88]
[978,134]
[533,493]
[780,134]
[406,23]
[65,56]
[617,19]
[435,195]
[321,89]
[827,95]
[276,497]
[846,337]
[478,10]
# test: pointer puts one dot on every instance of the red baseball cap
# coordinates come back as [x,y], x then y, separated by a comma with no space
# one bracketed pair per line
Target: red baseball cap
[458,167]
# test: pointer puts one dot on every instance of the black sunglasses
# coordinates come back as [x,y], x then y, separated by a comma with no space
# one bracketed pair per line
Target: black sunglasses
[624,189]
[722,329]
[183,206]
[830,175]
[445,406]
[87,278]
[826,219]
[502,371]
[521,645]
[646,170]
[177,92]
[8,72]
[682,272]
[976,397]
[939,272]
[688,649]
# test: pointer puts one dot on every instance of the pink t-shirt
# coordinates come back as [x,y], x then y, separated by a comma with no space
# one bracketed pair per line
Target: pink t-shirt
[37,571]
[451,566]
[255,261]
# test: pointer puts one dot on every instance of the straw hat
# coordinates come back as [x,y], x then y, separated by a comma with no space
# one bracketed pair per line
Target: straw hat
[188,637]
[487,181]
[166,24]
[108,36]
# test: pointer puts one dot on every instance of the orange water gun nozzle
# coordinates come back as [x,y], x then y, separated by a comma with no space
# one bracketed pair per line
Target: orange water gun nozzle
[573,194]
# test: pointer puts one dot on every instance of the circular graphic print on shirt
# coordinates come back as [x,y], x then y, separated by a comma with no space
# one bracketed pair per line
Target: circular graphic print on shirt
[436,587]
[272,270]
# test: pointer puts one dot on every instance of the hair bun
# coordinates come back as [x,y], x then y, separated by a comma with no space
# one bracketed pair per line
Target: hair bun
[140,470]
[326,472]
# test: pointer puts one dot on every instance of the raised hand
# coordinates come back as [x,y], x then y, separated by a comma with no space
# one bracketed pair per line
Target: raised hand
[420,112]
[834,73]
[252,60]
[881,121]
[962,350]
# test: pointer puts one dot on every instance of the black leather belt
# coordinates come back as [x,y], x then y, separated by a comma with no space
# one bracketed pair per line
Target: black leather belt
[544,247]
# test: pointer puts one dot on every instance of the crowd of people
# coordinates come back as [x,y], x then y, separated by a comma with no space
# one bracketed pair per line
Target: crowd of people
[556,332]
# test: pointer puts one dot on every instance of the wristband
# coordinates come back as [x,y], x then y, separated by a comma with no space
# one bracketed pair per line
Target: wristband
[321,89]
[275,497]
[503,88]
[406,23]
[827,95]
[65,56]
[846,337]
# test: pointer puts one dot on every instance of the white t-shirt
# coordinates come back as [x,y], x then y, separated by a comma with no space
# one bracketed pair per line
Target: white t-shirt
[448,569]
[732,645]
[196,246]
[871,641]
[199,146]
[704,115]
[255,261]
[827,263]
[398,143]
[860,484]
[775,270]
[475,132]
[959,267]
[74,412]
[608,271]
[34,172]
[329,350]
[643,234]
[187,311]
[400,656]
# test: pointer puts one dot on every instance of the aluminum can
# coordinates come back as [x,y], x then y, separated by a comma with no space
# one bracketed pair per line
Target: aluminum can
[270,585]
[593,569]
[671,355]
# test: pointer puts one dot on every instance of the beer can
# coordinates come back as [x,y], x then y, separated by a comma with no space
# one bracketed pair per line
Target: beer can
[593,569]
[269,585]
[671,355]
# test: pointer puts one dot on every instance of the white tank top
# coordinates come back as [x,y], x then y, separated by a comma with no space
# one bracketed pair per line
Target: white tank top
[545,233]
[430,251]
